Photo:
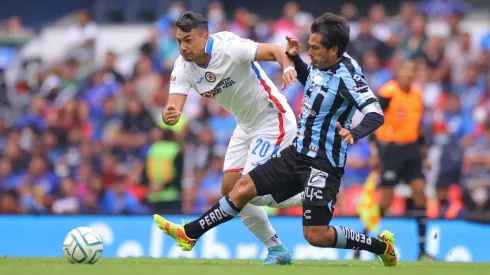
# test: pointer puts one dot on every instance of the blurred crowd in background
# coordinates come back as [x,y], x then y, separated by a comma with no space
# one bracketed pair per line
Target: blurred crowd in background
[92,141]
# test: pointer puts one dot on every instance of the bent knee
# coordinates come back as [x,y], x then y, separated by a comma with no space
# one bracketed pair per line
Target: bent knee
[229,181]
[246,187]
[319,236]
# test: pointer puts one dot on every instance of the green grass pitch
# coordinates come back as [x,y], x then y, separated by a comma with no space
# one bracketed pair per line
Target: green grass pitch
[146,266]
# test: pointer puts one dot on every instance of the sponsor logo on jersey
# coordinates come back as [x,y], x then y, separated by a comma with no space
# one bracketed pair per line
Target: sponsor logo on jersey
[210,77]
[199,81]
[225,83]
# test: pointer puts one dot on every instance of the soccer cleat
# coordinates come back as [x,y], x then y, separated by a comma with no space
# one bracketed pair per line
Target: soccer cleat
[278,255]
[389,256]
[175,231]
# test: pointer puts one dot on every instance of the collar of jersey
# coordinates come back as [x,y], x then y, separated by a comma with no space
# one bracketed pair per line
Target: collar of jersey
[208,50]
[333,66]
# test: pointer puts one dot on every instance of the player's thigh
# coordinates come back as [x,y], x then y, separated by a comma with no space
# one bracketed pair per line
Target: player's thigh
[277,177]
[273,137]
[235,159]
[320,194]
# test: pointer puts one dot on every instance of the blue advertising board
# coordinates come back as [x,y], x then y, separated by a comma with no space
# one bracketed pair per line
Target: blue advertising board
[137,236]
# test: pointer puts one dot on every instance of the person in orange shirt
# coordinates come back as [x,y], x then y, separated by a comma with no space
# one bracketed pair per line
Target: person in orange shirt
[401,144]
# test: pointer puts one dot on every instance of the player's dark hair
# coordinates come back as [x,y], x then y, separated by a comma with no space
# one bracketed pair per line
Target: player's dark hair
[189,20]
[334,29]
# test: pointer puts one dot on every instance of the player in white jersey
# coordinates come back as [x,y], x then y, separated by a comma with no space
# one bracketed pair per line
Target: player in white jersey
[223,67]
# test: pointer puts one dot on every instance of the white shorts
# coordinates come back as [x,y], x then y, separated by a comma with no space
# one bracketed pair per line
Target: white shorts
[246,151]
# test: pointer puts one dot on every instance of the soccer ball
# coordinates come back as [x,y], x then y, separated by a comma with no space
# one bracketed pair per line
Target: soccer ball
[82,245]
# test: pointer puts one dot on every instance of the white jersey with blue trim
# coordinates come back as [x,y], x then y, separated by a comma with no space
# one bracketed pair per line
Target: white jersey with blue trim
[231,78]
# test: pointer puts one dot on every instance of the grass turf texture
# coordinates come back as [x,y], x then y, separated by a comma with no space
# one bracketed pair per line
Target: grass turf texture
[144,266]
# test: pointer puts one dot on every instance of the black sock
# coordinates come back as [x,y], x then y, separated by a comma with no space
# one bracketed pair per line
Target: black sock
[220,213]
[357,253]
[350,239]
[421,218]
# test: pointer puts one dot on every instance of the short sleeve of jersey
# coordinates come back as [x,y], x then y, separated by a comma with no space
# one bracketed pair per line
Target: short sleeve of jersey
[354,88]
[241,49]
[179,83]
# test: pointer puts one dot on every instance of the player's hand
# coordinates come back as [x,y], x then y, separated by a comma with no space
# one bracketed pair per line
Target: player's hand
[293,46]
[170,115]
[288,78]
[345,134]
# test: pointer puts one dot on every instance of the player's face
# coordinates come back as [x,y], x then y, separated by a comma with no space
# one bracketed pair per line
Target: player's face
[321,56]
[192,44]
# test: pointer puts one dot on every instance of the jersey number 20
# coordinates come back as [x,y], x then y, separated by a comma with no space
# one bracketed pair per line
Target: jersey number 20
[263,150]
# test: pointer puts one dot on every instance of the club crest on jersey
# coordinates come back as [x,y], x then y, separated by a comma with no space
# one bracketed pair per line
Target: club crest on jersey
[210,77]
[317,79]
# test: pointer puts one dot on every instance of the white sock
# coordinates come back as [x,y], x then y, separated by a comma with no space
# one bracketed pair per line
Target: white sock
[268,200]
[256,220]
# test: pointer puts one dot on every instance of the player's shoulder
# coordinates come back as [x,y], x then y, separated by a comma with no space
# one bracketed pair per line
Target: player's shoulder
[181,67]
[348,67]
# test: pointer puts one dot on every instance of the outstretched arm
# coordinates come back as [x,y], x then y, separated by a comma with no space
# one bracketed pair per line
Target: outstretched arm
[245,50]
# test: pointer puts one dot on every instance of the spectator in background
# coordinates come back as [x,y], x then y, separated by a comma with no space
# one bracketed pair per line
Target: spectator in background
[14,28]
[109,172]
[168,49]
[357,167]
[485,43]
[9,202]
[149,51]
[81,38]
[119,201]
[111,74]
[199,153]
[51,146]
[34,116]
[375,74]
[449,128]
[67,203]
[459,56]
[8,180]
[3,135]
[286,24]
[15,154]
[223,124]
[38,175]
[477,173]
[164,168]
[99,90]
[217,18]
[413,46]
[366,41]
[137,123]
[148,86]
[482,111]
[381,25]
[401,29]
[469,91]
[351,13]
[61,87]
[90,204]
[108,124]
[209,188]
[433,57]
[241,23]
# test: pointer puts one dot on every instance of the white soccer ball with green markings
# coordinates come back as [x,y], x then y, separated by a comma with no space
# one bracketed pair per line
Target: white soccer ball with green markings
[82,245]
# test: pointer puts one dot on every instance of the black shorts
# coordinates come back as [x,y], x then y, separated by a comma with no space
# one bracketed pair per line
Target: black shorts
[400,162]
[290,173]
